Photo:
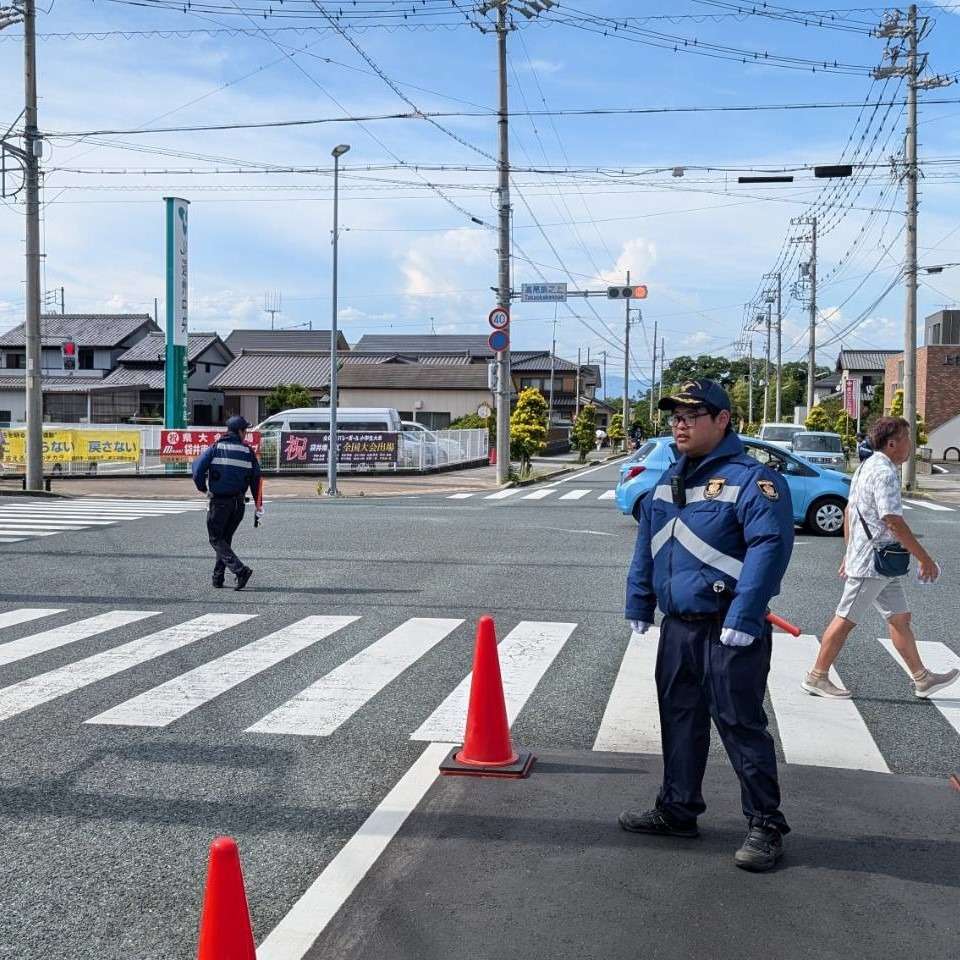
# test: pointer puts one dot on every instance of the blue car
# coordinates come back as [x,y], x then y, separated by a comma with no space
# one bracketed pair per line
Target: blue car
[819,495]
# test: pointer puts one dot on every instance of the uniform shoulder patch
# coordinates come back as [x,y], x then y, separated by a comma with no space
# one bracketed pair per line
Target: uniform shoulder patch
[714,488]
[769,489]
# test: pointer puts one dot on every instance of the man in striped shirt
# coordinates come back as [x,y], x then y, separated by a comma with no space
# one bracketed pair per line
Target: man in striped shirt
[225,471]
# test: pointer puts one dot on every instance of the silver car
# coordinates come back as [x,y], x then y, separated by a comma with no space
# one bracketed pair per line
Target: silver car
[825,449]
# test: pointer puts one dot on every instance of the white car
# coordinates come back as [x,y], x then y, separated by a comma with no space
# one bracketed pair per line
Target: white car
[825,449]
[780,434]
[441,449]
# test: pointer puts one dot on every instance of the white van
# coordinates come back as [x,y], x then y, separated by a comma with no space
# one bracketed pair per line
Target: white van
[781,434]
[381,419]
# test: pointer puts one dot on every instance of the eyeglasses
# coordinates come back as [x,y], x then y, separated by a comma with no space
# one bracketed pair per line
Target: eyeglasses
[687,419]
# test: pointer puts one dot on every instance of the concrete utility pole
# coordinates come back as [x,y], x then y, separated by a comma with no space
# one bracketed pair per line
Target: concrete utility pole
[503,253]
[663,358]
[653,368]
[779,407]
[33,147]
[626,369]
[913,30]
[332,445]
[576,399]
[766,370]
[603,354]
[750,384]
[553,363]
[812,356]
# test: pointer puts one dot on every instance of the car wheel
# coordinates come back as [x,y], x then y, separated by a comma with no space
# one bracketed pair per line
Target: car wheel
[825,516]
[636,509]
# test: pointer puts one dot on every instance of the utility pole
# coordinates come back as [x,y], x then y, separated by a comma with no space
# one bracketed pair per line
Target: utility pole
[809,279]
[653,368]
[155,312]
[603,354]
[912,30]
[750,384]
[779,408]
[766,370]
[33,147]
[553,363]
[663,357]
[576,400]
[626,369]
[503,253]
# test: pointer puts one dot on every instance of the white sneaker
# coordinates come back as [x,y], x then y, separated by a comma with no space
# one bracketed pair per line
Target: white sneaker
[818,686]
[932,682]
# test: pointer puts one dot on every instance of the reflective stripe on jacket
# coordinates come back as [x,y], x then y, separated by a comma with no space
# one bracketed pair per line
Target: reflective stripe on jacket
[725,552]
[227,468]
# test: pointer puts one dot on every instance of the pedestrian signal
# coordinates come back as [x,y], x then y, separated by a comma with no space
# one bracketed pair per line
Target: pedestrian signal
[638,292]
[69,351]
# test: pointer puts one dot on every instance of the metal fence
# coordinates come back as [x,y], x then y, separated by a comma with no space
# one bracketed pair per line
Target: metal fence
[417,452]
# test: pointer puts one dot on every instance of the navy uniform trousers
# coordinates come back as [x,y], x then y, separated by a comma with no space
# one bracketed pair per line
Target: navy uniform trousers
[223,517]
[698,678]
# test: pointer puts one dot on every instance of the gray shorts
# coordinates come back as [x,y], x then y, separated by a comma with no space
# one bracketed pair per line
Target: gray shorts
[885,593]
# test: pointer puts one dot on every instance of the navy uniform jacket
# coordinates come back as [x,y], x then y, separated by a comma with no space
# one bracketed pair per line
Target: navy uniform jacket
[736,529]
[228,467]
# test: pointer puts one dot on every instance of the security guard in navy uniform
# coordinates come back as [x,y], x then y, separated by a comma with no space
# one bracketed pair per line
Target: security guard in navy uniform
[227,469]
[714,541]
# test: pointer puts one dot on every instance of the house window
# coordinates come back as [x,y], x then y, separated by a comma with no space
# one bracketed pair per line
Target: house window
[935,334]
[535,383]
[434,421]
[206,368]
[16,361]
[85,358]
[5,418]
[64,407]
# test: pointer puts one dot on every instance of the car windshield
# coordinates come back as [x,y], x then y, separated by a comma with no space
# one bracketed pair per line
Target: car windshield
[644,451]
[817,444]
[778,433]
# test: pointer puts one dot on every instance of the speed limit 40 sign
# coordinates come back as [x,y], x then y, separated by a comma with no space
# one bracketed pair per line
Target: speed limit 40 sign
[499,318]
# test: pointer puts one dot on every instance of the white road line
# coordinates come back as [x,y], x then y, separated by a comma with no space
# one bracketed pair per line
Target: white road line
[539,494]
[99,511]
[12,617]
[525,654]
[176,698]
[45,532]
[938,657]
[293,936]
[607,495]
[930,505]
[575,494]
[53,524]
[503,494]
[814,730]
[12,539]
[60,517]
[583,473]
[631,721]
[460,496]
[327,704]
[178,504]
[36,643]
[30,693]
[905,507]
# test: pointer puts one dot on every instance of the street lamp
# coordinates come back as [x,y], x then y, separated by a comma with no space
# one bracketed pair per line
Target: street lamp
[337,153]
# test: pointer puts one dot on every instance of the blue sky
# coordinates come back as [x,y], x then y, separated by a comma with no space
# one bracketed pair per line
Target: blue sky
[411,261]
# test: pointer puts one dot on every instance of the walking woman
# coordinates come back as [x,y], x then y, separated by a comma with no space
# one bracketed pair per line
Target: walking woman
[871,574]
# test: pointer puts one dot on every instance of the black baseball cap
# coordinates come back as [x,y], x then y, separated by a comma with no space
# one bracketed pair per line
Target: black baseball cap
[236,424]
[695,393]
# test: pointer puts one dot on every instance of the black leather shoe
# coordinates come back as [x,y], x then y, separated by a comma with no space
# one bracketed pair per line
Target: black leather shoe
[656,822]
[761,849]
[242,577]
[217,582]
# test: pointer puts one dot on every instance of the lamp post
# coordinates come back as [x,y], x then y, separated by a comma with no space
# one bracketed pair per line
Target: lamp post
[337,153]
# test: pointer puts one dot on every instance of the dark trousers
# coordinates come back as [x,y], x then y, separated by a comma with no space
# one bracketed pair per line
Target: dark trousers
[223,518]
[699,679]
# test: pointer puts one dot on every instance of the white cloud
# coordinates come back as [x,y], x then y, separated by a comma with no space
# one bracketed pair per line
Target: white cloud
[541,66]
[638,256]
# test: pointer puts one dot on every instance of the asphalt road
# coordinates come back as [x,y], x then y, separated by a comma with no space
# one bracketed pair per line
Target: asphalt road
[106,824]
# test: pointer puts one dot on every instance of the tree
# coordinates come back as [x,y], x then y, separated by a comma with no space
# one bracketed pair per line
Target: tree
[528,427]
[615,433]
[896,410]
[288,396]
[469,421]
[583,437]
[818,419]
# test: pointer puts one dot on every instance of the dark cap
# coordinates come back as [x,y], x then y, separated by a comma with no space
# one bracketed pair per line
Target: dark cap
[236,424]
[694,393]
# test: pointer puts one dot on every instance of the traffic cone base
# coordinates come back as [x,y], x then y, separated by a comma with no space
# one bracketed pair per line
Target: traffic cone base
[455,766]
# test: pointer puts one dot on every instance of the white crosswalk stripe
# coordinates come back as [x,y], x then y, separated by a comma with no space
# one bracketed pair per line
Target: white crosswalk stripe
[33,691]
[43,518]
[178,697]
[607,495]
[539,494]
[332,700]
[14,650]
[525,654]
[503,494]
[575,495]
[809,730]
[939,658]
[460,496]
[930,505]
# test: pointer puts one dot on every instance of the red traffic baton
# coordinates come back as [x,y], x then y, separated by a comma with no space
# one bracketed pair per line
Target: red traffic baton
[785,625]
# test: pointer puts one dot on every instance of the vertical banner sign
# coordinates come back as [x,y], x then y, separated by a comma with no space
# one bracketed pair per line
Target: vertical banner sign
[175,408]
[851,397]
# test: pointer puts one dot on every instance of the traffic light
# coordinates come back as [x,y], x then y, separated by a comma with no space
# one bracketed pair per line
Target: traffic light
[638,292]
[69,351]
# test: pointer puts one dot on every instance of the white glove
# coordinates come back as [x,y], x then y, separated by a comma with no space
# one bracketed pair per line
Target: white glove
[258,514]
[735,638]
[638,626]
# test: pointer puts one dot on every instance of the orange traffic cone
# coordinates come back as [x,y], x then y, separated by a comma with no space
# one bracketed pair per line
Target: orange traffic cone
[225,932]
[486,750]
